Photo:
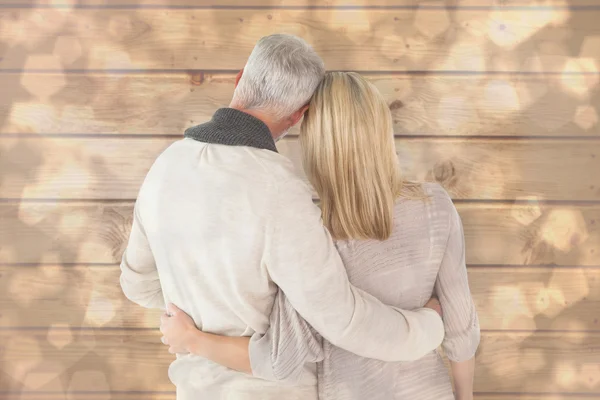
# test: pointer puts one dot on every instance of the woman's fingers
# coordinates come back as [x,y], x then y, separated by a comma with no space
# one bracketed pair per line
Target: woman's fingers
[172,309]
[164,340]
[164,318]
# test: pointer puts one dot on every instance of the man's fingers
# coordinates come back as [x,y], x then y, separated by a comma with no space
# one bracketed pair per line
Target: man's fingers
[164,340]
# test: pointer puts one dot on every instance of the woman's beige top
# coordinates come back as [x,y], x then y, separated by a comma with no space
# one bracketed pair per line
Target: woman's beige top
[424,255]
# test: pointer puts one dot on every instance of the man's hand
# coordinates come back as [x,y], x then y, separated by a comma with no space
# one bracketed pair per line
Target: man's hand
[435,305]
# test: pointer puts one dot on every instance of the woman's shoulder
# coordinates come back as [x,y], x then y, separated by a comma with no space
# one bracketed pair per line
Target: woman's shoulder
[431,191]
[435,190]
[435,197]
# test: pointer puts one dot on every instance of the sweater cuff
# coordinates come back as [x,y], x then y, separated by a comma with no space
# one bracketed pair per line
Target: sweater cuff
[436,326]
[259,350]
[429,331]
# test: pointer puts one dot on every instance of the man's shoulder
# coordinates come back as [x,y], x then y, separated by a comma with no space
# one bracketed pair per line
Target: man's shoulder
[264,165]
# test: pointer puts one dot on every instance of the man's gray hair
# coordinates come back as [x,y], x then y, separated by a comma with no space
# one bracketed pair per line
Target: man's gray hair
[280,76]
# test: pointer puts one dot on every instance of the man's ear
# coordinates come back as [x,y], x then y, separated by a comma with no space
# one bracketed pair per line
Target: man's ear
[238,77]
[299,114]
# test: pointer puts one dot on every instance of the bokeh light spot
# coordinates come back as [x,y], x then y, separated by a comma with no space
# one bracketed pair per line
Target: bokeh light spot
[586,117]
[430,22]
[89,380]
[68,49]
[59,335]
[43,86]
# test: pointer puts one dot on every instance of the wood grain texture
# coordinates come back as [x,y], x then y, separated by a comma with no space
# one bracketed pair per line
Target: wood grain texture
[483,169]
[507,298]
[495,234]
[301,3]
[100,361]
[167,104]
[546,40]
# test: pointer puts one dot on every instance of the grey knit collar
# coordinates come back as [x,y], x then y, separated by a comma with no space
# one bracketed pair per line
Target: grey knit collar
[232,127]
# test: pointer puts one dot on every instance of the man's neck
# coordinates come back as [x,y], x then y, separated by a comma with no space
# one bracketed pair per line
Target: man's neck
[274,127]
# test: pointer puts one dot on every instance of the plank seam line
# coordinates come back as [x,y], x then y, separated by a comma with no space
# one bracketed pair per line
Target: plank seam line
[235,71]
[470,266]
[60,265]
[130,6]
[127,201]
[147,392]
[150,392]
[416,137]
[42,329]
[46,392]
[570,394]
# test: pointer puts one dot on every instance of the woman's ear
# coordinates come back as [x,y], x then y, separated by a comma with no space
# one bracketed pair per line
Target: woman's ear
[238,77]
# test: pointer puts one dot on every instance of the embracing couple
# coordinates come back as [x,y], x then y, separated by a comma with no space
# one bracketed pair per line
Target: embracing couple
[271,296]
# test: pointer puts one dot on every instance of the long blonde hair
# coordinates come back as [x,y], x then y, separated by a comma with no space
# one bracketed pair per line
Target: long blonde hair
[350,158]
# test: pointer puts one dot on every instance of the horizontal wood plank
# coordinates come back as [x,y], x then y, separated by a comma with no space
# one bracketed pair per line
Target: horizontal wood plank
[60,360]
[495,234]
[545,40]
[482,169]
[300,3]
[518,298]
[167,104]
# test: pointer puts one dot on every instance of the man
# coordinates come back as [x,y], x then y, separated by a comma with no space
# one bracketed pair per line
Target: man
[222,220]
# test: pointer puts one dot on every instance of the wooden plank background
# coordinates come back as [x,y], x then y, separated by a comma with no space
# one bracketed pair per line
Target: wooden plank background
[381,40]
[422,104]
[499,101]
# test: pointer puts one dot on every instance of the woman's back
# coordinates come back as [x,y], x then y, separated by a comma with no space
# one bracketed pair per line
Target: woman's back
[403,271]
[424,254]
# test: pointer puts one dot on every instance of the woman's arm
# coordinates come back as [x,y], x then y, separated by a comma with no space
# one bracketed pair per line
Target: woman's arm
[287,346]
[461,322]
[278,355]
[182,336]
[463,373]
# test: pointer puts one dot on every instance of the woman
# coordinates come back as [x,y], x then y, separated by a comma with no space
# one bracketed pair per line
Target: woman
[399,241]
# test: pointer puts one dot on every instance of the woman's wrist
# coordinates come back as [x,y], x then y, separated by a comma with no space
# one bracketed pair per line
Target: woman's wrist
[464,395]
[196,343]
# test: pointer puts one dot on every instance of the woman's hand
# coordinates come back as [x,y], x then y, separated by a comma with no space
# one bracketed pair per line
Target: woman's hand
[178,329]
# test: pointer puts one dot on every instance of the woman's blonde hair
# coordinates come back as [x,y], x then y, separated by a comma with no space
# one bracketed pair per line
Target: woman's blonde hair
[350,157]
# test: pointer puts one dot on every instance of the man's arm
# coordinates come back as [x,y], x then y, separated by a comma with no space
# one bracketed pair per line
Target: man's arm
[139,276]
[303,262]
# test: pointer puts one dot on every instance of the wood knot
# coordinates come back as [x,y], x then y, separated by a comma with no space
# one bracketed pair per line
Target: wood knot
[444,172]
[196,78]
[396,104]
[575,239]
